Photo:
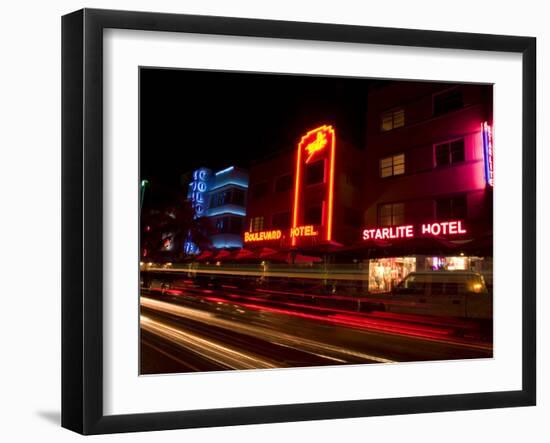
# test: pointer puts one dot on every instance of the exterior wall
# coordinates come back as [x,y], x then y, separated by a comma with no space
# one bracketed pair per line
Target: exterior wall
[226,220]
[423,183]
[222,204]
[348,197]
[265,173]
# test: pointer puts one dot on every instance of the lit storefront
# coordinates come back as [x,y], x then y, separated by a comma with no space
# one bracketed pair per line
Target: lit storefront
[386,273]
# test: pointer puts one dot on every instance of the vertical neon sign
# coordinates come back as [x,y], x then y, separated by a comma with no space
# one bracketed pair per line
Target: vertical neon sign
[488,152]
[197,190]
[319,143]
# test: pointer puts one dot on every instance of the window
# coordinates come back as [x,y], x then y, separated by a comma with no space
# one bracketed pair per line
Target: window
[315,172]
[237,197]
[391,214]
[314,215]
[281,220]
[283,183]
[394,165]
[352,217]
[449,153]
[229,196]
[392,119]
[229,225]
[451,208]
[447,101]
[219,199]
[259,190]
[256,224]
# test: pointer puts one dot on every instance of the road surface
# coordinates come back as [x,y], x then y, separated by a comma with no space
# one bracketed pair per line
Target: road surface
[192,327]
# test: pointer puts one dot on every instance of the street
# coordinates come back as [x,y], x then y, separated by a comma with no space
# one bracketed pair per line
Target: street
[195,327]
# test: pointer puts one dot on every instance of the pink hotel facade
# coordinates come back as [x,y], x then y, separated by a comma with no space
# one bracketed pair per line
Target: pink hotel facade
[426,171]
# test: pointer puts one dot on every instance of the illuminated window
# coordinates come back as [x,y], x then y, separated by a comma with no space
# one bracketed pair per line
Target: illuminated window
[447,101]
[394,165]
[449,153]
[259,190]
[284,183]
[281,220]
[392,119]
[451,208]
[314,215]
[315,172]
[256,224]
[391,214]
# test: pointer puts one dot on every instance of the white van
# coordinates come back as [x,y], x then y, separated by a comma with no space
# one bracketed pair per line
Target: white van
[445,293]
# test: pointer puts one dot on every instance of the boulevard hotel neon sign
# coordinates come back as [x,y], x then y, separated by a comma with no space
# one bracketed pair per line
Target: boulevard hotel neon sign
[277,234]
[447,228]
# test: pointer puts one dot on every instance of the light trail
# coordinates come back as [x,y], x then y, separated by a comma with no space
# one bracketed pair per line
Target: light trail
[209,349]
[436,331]
[300,343]
[281,273]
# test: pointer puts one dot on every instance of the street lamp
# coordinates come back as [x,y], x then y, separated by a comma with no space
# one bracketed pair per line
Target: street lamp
[144,184]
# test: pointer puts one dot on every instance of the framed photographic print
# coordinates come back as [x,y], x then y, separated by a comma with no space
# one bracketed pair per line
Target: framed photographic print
[269,221]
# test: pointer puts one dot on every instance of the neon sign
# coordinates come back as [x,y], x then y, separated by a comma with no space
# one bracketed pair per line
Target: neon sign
[303,231]
[319,142]
[277,234]
[317,145]
[274,234]
[445,228]
[488,152]
[453,227]
[197,189]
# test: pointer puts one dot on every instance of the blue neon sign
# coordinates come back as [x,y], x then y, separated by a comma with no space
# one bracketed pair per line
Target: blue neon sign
[197,189]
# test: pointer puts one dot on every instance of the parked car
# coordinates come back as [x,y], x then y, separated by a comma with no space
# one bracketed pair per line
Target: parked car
[444,293]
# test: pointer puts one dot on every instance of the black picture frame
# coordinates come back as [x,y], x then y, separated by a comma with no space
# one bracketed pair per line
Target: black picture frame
[82,218]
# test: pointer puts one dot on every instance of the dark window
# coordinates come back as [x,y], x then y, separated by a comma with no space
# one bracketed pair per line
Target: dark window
[447,101]
[449,153]
[237,197]
[221,223]
[281,220]
[352,217]
[229,196]
[283,183]
[315,172]
[259,190]
[218,199]
[451,208]
[457,151]
[314,215]
[391,214]
[229,225]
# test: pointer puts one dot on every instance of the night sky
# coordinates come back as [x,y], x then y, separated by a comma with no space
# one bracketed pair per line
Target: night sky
[217,119]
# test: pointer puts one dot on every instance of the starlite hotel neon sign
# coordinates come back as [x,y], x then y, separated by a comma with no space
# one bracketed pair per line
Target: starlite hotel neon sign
[435,229]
